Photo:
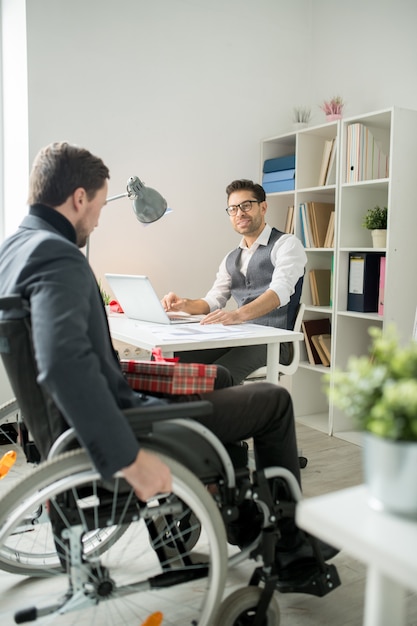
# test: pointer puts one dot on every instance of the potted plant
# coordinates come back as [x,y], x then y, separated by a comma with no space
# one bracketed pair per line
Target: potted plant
[333,108]
[376,220]
[105,296]
[379,392]
[301,117]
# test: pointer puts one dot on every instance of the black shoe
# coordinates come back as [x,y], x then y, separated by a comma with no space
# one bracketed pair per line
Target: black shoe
[311,578]
[300,553]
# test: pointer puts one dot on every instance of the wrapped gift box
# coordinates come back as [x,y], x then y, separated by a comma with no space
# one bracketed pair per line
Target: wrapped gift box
[166,377]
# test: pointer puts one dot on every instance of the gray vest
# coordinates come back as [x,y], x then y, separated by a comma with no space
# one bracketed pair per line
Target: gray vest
[244,289]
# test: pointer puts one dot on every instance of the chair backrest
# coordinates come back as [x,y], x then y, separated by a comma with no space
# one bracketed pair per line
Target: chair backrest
[293,305]
[292,366]
[41,416]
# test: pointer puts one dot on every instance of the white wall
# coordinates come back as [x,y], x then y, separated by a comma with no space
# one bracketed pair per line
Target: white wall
[14,112]
[180,92]
[366,50]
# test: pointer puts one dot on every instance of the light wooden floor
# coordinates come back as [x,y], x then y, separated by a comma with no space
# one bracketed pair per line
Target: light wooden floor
[333,464]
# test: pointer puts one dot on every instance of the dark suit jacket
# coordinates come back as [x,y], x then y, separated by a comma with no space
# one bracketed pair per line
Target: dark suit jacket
[75,357]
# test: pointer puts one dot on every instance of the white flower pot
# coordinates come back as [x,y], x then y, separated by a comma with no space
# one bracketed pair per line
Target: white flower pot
[390,469]
[379,238]
[299,125]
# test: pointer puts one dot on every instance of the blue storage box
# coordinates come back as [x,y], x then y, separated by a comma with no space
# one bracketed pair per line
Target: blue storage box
[279,163]
[279,185]
[271,177]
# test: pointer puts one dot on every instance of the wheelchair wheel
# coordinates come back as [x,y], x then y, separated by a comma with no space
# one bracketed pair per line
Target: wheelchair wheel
[189,528]
[135,575]
[239,608]
[31,549]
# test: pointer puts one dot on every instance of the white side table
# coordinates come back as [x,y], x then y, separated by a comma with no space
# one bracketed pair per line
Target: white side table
[386,543]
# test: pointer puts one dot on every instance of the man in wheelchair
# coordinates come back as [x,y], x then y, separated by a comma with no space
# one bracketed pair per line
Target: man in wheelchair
[78,368]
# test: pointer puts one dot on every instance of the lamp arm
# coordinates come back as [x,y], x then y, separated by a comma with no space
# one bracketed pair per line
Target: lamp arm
[121,195]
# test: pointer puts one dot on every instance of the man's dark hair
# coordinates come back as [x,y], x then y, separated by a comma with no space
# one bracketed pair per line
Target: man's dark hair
[248,185]
[59,169]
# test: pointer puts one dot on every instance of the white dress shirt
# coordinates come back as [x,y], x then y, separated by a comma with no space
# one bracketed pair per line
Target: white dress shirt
[287,256]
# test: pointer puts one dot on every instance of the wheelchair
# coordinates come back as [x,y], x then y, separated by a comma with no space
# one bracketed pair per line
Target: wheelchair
[113,559]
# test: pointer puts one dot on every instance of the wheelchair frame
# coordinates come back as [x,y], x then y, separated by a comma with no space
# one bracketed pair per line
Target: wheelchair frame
[183,535]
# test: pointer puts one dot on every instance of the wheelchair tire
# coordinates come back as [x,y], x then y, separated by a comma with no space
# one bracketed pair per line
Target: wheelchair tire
[31,551]
[129,580]
[239,608]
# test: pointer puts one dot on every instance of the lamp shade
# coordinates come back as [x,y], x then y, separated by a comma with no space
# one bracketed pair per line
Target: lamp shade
[148,204]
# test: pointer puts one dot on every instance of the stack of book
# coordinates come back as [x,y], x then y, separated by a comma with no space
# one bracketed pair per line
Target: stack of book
[365,159]
[279,174]
[317,338]
[317,224]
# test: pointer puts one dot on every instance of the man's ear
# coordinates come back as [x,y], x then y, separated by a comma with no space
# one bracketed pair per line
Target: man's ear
[79,198]
[264,207]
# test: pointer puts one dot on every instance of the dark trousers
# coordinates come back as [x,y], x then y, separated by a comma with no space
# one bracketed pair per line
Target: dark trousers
[240,361]
[261,411]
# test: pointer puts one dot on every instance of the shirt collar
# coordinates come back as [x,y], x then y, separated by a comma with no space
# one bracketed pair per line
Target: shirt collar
[55,219]
[262,239]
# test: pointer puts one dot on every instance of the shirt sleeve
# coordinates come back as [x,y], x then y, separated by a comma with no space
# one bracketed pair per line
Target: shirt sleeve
[220,293]
[289,260]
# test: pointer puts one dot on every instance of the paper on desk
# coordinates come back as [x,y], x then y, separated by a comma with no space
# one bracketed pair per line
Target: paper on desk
[194,332]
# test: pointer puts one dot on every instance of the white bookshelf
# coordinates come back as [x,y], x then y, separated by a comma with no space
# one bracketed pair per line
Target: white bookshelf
[396,129]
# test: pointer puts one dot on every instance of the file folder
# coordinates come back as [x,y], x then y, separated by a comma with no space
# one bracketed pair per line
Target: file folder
[363,284]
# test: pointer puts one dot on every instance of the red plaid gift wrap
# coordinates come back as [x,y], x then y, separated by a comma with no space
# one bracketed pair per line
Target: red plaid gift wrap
[166,377]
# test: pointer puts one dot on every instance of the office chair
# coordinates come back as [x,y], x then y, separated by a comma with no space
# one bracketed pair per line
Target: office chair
[291,367]
[116,558]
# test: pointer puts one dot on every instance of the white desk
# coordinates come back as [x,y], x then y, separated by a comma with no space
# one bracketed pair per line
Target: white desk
[386,543]
[179,337]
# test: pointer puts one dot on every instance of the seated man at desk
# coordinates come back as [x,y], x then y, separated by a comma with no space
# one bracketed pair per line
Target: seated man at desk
[77,365]
[261,274]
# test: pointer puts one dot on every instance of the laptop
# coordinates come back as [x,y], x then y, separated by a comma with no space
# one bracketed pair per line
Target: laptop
[139,300]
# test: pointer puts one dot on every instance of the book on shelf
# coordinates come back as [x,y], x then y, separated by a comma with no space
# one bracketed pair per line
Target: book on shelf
[314,327]
[381,289]
[331,170]
[363,281]
[365,159]
[325,342]
[289,222]
[329,239]
[325,160]
[306,230]
[320,213]
[320,280]
[323,356]
[315,218]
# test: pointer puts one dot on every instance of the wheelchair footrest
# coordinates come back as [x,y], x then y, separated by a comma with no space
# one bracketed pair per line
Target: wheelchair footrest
[315,581]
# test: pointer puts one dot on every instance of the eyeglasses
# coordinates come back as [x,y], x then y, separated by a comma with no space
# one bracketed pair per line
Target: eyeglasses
[243,206]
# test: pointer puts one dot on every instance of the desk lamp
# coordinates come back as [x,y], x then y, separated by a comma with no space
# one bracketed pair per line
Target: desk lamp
[148,204]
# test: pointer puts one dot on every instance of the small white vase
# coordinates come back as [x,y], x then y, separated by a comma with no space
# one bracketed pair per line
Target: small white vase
[299,125]
[379,238]
[390,469]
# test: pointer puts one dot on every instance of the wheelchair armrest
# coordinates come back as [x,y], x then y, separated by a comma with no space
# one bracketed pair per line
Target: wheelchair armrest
[143,417]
